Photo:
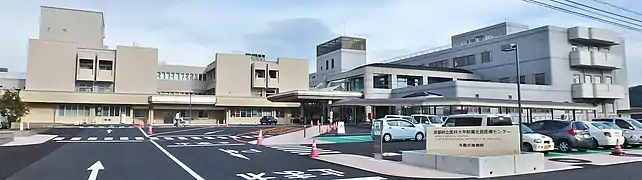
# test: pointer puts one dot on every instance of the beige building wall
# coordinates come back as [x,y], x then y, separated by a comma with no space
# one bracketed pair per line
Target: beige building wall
[51,65]
[292,74]
[233,75]
[136,69]
[86,28]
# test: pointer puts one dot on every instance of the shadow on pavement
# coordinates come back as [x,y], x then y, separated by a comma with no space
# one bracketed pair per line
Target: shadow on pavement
[16,158]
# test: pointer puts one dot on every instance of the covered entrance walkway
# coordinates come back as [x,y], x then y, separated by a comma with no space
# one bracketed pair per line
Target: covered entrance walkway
[314,103]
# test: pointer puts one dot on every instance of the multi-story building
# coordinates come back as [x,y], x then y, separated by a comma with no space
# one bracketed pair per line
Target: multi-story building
[11,80]
[579,70]
[72,77]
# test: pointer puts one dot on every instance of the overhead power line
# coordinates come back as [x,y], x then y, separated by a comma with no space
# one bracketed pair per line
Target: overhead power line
[597,9]
[617,7]
[583,15]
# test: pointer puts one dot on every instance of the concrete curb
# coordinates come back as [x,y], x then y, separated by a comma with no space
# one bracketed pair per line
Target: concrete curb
[29,140]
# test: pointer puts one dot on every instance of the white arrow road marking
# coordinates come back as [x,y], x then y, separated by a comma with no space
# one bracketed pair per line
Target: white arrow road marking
[108,131]
[94,170]
[234,153]
[213,132]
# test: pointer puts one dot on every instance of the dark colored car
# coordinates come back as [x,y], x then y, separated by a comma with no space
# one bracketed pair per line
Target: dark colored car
[567,135]
[268,120]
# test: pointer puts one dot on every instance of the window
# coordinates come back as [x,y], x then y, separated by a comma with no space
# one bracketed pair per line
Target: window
[84,86]
[200,77]
[597,79]
[540,79]
[105,65]
[274,73]
[241,112]
[588,79]
[257,93]
[464,61]
[442,63]
[86,64]
[577,78]
[140,113]
[259,73]
[158,75]
[485,57]
[500,121]
[280,113]
[504,80]
[393,123]
[462,121]
[608,79]
[326,65]
[381,81]
[623,124]
[113,111]
[332,64]
[172,76]
[72,110]
[203,114]
[191,77]
[573,47]
[580,126]
[522,79]
[269,92]
[104,87]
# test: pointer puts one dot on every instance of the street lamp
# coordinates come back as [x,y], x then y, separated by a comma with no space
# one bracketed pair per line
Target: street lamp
[508,48]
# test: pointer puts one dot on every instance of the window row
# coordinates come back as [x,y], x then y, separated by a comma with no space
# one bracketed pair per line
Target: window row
[90,86]
[592,79]
[538,79]
[328,66]
[181,93]
[260,73]
[462,61]
[577,47]
[89,64]
[258,112]
[263,92]
[181,76]
[72,110]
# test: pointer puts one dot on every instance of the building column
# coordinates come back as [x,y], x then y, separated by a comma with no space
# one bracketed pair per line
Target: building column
[368,109]
[301,115]
[150,115]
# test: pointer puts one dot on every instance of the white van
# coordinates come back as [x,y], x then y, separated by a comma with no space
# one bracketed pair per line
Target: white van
[428,120]
[532,141]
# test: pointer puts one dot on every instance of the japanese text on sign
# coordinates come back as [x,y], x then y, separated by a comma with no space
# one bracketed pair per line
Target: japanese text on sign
[478,140]
[310,173]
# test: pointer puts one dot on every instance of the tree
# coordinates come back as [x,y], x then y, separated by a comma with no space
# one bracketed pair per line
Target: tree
[12,107]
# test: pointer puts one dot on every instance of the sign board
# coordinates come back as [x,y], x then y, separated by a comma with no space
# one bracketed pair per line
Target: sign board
[473,141]
[377,126]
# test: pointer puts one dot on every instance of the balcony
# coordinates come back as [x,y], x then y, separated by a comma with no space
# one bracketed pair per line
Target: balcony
[597,91]
[182,99]
[593,36]
[596,59]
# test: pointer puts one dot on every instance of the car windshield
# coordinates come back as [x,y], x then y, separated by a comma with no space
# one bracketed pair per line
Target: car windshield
[526,130]
[635,123]
[436,120]
[600,125]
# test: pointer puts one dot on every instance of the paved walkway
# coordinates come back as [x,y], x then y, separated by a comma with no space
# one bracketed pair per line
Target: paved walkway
[298,137]
[29,140]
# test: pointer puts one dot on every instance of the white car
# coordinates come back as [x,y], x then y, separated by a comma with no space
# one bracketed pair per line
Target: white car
[428,120]
[399,129]
[532,141]
[605,135]
[535,142]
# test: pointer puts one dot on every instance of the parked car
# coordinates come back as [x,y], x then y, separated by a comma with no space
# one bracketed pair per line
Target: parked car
[567,135]
[268,120]
[399,129]
[399,116]
[536,142]
[605,135]
[4,123]
[428,120]
[631,130]
[532,141]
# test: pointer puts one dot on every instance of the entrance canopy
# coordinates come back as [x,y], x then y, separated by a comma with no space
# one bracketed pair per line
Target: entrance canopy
[440,101]
[307,95]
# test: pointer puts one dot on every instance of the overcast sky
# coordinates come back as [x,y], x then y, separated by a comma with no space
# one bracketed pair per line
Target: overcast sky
[189,32]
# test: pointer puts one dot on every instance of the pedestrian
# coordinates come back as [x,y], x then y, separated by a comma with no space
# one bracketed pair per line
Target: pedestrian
[177,118]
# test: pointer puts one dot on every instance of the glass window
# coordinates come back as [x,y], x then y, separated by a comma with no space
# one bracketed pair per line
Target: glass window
[485,57]
[436,120]
[577,78]
[464,61]
[463,121]
[326,65]
[580,126]
[608,79]
[540,79]
[332,64]
[84,86]
[259,73]
[105,65]
[500,121]
[158,75]
[597,79]
[381,81]
[269,92]
[442,63]
[86,64]
[522,79]
[140,113]
[203,114]
[274,74]
[393,123]
[280,113]
[588,79]
[405,124]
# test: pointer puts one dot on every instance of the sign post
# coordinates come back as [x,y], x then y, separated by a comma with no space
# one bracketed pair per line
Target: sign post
[378,148]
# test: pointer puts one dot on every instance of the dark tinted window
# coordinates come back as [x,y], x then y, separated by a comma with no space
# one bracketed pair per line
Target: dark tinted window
[500,121]
[536,125]
[463,121]
[623,124]
[554,125]
[611,124]
[393,123]
[405,124]
[580,126]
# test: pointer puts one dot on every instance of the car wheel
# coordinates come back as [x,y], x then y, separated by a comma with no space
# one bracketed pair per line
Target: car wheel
[564,146]
[594,144]
[526,147]
[419,136]
[387,137]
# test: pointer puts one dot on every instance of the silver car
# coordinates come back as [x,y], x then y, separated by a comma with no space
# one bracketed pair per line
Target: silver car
[631,130]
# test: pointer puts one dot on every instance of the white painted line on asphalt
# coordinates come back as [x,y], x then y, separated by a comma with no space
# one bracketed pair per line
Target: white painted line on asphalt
[106,141]
[211,138]
[331,152]
[248,137]
[196,138]
[143,132]
[109,138]
[365,178]
[235,137]
[58,138]
[101,126]
[202,145]
[182,138]
[153,138]
[124,138]
[189,170]
[76,138]
[223,137]
[92,138]
[139,138]
[168,138]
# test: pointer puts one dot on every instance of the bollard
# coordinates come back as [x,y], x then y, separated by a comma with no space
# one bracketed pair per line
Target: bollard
[304,129]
